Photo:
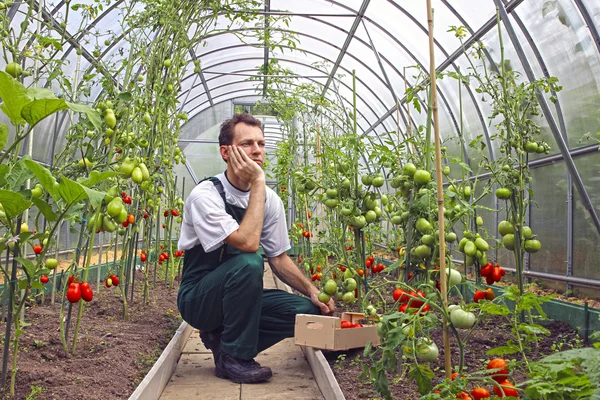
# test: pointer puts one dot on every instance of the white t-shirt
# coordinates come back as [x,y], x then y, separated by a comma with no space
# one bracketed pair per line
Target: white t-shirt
[206,222]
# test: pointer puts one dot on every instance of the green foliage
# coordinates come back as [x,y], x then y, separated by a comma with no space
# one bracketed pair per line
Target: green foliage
[568,375]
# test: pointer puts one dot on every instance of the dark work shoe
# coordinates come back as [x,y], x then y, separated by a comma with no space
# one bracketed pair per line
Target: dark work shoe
[212,341]
[241,371]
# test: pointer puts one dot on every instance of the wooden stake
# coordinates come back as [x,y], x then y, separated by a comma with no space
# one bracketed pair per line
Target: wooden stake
[440,191]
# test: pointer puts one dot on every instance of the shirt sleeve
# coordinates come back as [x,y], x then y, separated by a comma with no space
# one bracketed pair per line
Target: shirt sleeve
[211,222]
[274,238]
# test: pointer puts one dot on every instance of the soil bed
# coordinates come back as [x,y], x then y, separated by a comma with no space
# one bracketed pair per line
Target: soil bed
[491,332]
[112,355]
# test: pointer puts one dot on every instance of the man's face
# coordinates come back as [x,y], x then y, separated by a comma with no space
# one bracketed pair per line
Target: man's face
[251,140]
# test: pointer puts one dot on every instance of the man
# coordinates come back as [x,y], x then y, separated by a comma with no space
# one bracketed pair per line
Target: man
[221,292]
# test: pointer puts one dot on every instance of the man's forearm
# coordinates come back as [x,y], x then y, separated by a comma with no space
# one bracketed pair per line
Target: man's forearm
[288,272]
[251,226]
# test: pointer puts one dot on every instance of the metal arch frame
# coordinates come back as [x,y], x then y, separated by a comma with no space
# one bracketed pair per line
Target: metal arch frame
[202,79]
[290,61]
[589,22]
[254,88]
[563,130]
[307,51]
[484,29]
[344,49]
[445,53]
[584,197]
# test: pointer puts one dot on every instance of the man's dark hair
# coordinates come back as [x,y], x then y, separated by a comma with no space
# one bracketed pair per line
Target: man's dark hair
[228,127]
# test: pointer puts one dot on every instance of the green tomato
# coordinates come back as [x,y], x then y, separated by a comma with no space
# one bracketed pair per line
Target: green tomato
[349,284]
[84,163]
[378,181]
[531,147]
[366,180]
[470,249]
[51,263]
[429,240]
[167,63]
[422,251]
[426,350]
[423,225]
[348,297]
[370,216]
[358,221]
[122,217]
[532,246]
[330,287]
[324,297]
[24,227]
[482,244]
[410,169]
[331,203]
[526,232]
[108,225]
[110,119]
[462,319]
[508,241]
[467,192]
[479,221]
[127,167]
[422,177]
[14,69]
[136,175]
[505,227]
[396,220]
[384,200]
[446,170]
[114,207]
[455,277]
[450,237]
[331,193]
[37,191]
[503,193]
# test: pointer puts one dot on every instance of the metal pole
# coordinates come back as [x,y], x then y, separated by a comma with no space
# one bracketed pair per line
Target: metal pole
[585,199]
[12,283]
[99,267]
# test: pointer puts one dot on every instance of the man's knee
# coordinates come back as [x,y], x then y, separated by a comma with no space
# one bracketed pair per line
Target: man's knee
[250,264]
[305,306]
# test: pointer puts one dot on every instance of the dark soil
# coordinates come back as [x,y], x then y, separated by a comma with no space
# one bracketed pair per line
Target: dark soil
[112,355]
[491,333]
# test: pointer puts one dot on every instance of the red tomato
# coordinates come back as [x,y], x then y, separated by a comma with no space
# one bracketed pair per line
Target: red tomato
[463,396]
[480,393]
[398,293]
[126,224]
[74,293]
[499,375]
[487,269]
[402,308]
[70,280]
[145,215]
[479,295]
[175,213]
[508,387]
[44,279]
[37,249]
[360,272]
[314,277]
[123,194]
[166,213]
[346,324]
[489,280]
[309,215]
[489,294]
[115,280]
[143,257]
[108,282]
[131,218]
[161,258]
[497,274]
[86,292]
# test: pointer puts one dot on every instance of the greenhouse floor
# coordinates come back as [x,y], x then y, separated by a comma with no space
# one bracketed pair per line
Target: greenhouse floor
[194,377]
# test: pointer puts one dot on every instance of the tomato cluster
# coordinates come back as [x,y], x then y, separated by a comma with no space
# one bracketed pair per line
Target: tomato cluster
[111,280]
[307,234]
[78,290]
[347,324]
[492,273]
[487,294]
[411,301]
[126,198]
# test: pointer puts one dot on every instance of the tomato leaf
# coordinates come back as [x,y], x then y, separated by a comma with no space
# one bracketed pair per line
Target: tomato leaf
[125,96]
[19,174]
[96,197]
[3,135]
[28,266]
[4,169]
[37,110]
[92,115]
[422,376]
[14,203]
[96,176]
[71,191]
[45,209]
[14,97]
[36,285]
[45,177]
[502,350]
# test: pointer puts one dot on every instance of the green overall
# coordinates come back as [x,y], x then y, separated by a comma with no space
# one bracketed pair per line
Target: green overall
[223,289]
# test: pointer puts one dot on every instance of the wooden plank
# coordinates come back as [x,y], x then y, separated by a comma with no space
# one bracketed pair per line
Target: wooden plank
[328,385]
[157,379]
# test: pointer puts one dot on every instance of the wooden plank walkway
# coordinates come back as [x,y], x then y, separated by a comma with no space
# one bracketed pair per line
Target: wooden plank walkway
[194,377]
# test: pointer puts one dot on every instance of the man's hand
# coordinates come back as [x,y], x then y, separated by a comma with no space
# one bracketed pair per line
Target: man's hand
[243,166]
[326,309]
